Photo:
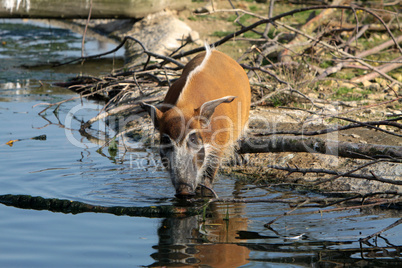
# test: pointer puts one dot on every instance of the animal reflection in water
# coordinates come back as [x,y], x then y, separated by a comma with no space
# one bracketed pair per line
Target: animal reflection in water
[187,241]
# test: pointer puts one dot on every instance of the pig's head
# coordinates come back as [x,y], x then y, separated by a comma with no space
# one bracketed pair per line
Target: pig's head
[185,147]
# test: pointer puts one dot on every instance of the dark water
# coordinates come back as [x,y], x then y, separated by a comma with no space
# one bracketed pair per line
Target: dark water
[69,166]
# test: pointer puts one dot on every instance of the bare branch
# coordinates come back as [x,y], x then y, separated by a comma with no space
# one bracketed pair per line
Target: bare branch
[394,64]
[337,173]
[267,225]
[381,231]
[85,30]
[368,124]
[149,53]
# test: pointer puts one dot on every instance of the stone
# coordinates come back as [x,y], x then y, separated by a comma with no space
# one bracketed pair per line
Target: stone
[383,82]
[347,84]
[375,86]
[205,9]
[367,84]
[194,37]
[398,76]
[313,121]
[283,160]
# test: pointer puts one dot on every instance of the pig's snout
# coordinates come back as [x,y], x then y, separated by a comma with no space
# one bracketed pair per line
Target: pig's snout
[184,192]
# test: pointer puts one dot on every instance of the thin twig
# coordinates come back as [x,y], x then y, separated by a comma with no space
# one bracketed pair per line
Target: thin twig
[364,107]
[381,231]
[337,173]
[270,13]
[345,174]
[210,189]
[85,30]
[267,225]
[356,124]
[387,122]
[290,88]
[63,101]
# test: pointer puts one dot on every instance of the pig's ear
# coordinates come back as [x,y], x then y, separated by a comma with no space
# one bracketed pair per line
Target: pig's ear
[153,112]
[208,108]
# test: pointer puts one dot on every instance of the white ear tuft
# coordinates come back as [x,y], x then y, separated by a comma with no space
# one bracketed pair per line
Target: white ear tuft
[208,48]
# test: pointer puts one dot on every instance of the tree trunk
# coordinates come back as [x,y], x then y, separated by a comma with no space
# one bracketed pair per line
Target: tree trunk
[276,144]
[78,9]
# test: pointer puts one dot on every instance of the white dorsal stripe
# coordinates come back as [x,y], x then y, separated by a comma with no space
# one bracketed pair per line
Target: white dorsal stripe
[199,68]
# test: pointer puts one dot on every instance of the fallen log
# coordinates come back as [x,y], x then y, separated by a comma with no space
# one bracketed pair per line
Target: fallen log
[276,144]
[75,207]
[77,9]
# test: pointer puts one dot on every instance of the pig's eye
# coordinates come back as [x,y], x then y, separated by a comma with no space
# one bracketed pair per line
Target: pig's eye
[165,140]
[194,140]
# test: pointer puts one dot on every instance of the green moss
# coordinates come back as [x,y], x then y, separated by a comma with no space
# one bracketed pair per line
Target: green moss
[348,94]
[327,83]
[326,64]
[243,18]
[253,8]
[231,18]
[347,75]
[220,33]
[280,100]
[251,35]
[301,17]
